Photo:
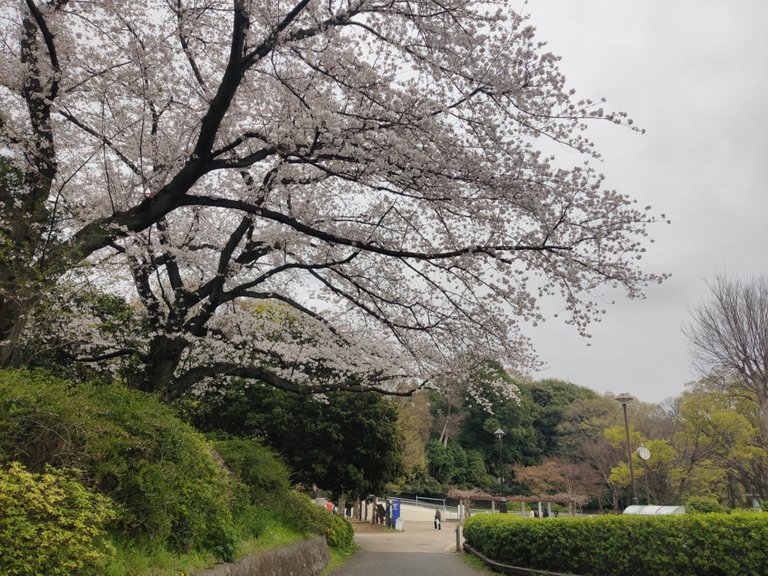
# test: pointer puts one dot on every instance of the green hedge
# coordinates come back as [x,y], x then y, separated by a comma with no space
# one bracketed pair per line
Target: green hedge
[691,544]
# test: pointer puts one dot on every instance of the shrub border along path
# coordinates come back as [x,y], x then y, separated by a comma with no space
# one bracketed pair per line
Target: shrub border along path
[691,544]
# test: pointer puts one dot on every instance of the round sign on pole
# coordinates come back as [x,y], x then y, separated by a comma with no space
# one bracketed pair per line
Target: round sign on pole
[643,452]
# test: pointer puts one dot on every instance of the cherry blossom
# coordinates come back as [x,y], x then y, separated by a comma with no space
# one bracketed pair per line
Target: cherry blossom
[319,195]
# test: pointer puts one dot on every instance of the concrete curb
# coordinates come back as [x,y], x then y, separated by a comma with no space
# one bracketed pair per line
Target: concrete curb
[514,570]
[306,558]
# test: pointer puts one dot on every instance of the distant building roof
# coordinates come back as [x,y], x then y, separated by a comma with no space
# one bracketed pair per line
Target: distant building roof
[654,510]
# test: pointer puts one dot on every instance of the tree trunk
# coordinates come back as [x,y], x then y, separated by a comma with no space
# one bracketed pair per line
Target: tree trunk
[164,357]
[23,200]
[15,304]
[444,434]
[762,411]
[10,327]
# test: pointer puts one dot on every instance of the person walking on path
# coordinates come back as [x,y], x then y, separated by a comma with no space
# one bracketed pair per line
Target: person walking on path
[438,519]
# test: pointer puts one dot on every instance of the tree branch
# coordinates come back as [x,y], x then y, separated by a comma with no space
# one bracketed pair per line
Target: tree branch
[330,238]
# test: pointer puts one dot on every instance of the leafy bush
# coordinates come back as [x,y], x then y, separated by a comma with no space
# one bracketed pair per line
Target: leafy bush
[51,524]
[267,482]
[338,533]
[258,467]
[703,505]
[261,480]
[701,544]
[158,470]
[309,518]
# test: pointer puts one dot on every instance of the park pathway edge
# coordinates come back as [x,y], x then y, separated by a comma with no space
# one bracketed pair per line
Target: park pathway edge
[305,558]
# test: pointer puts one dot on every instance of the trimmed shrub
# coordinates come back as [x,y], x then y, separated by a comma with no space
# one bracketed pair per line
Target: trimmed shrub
[339,533]
[158,470]
[309,518]
[697,544]
[51,524]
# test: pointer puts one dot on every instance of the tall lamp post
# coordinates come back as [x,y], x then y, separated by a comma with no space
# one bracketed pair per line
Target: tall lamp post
[500,434]
[623,399]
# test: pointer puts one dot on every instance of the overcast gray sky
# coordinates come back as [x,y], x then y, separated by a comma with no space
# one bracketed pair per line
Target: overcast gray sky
[694,74]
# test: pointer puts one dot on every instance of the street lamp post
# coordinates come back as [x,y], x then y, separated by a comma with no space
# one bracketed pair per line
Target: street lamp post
[500,434]
[624,399]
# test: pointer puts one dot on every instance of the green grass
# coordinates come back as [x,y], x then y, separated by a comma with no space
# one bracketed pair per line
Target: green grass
[476,564]
[338,559]
[133,561]
[275,535]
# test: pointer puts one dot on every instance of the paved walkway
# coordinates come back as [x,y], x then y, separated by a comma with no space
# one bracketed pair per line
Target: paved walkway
[419,550]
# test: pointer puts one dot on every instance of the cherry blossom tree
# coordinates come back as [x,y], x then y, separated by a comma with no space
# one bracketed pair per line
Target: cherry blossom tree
[375,171]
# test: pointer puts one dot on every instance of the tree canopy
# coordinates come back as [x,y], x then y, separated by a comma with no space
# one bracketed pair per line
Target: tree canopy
[345,443]
[729,338]
[378,169]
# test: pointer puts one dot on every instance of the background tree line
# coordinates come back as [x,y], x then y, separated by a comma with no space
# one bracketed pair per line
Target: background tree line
[706,447]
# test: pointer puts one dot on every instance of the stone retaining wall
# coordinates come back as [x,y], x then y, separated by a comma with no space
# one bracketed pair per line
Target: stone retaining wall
[306,558]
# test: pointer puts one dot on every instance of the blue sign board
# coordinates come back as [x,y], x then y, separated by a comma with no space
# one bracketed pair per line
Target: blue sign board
[395,510]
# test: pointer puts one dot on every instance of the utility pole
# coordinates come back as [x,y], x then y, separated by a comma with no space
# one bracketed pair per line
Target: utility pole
[500,434]
[624,399]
